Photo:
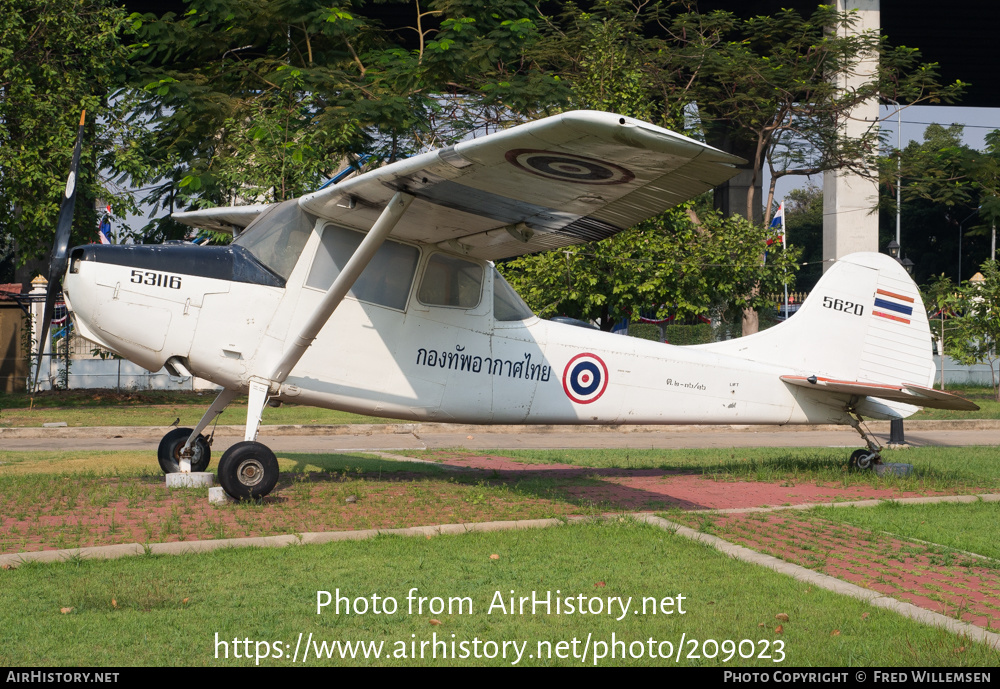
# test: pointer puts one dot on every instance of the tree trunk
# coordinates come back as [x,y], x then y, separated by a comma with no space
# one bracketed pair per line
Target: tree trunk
[751,322]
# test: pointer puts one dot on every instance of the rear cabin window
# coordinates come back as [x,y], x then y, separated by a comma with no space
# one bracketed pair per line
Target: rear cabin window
[507,304]
[385,281]
[451,281]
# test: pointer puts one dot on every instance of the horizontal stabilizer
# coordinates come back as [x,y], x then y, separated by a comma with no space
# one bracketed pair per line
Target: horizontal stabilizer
[917,395]
[223,218]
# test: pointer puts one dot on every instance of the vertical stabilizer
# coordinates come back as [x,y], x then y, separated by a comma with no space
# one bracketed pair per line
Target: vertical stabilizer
[864,321]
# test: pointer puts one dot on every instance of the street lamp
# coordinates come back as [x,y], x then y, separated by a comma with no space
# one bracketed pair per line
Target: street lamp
[899,166]
[908,265]
[893,249]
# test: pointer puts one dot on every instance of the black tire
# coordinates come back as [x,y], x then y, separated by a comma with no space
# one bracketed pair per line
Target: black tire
[169,451]
[248,470]
[862,460]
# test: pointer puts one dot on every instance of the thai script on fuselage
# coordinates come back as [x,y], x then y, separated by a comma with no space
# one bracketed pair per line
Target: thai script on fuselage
[678,384]
[493,366]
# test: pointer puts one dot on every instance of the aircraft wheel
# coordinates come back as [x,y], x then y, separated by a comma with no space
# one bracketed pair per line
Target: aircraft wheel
[862,460]
[248,470]
[169,452]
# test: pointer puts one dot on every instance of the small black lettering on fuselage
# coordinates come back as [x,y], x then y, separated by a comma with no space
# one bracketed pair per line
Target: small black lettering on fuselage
[845,306]
[154,279]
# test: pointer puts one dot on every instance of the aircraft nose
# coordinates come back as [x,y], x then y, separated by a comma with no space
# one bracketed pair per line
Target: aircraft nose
[80,290]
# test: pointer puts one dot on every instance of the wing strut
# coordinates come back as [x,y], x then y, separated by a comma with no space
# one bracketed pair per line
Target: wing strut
[342,285]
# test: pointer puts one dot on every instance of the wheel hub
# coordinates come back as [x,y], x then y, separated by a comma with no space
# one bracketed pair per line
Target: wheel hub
[250,472]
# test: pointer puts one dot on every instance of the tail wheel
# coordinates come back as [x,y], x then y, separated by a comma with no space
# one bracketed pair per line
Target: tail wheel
[169,452]
[862,460]
[248,470]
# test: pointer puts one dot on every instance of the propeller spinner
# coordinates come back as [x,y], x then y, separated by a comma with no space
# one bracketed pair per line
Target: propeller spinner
[60,248]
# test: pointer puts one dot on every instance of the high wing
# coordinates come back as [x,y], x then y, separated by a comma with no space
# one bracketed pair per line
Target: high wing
[910,394]
[575,177]
[223,218]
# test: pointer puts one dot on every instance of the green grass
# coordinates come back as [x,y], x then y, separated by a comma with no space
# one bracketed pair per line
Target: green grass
[160,610]
[151,408]
[161,408]
[969,527]
[127,463]
[984,396]
[935,468]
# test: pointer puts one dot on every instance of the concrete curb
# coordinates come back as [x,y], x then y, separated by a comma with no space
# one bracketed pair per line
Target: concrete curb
[984,497]
[827,582]
[156,432]
[112,552]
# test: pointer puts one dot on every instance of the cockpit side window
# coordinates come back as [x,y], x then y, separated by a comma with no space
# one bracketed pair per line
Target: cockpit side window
[278,235]
[507,304]
[451,281]
[385,281]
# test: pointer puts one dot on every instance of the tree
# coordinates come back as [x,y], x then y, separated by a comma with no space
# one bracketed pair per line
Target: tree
[680,263]
[771,87]
[804,230]
[768,88]
[261,101]
[946,203]
[940,297]
[56,59]
[977,327]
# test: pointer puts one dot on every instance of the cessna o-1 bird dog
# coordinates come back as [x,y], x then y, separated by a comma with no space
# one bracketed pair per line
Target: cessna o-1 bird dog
[378,295]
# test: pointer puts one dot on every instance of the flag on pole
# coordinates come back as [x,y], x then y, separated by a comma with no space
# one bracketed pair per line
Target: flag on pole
[778,226]
[104,230]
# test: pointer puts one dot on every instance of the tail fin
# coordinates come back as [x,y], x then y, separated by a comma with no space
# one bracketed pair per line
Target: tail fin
[864,321]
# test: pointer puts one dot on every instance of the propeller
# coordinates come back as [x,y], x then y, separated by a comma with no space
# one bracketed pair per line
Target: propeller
[60,247]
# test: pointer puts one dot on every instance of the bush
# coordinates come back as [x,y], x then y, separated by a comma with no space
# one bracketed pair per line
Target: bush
[645,331]
[700,333]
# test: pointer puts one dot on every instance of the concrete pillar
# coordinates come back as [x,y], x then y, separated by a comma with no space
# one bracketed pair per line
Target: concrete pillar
[850,218]
[39,286]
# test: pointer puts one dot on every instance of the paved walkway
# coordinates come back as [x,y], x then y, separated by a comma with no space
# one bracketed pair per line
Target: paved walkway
[405,436]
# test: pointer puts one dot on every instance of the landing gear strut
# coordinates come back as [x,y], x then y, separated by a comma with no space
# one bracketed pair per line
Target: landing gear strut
[862,460]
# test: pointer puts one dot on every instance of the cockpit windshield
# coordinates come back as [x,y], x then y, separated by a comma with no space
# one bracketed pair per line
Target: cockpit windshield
[277,237]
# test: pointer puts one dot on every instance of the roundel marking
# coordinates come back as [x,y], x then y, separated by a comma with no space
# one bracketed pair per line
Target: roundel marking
[585,378]
[567,167]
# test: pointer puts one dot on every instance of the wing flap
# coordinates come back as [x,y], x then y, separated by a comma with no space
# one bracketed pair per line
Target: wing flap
[917,395]
[575,177]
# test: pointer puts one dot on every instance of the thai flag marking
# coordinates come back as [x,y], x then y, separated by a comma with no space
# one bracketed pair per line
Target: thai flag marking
[893,302]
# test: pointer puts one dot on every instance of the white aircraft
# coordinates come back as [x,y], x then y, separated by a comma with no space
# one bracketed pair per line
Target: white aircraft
[377,295]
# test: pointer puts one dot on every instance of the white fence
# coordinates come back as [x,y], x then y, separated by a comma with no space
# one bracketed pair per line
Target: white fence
[86,373]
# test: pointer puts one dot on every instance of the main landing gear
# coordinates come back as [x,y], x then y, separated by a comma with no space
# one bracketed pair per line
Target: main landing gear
[862,460]
[247,470]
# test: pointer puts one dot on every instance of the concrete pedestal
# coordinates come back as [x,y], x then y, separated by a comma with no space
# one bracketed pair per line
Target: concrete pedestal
[218,496]
[194,479]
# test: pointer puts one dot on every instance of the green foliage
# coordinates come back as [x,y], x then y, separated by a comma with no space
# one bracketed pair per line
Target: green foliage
[260,101]
[977,325]
[949,201]
[56,59]
[700,333]
[771,87]
[672,263]
[645,331]
[804,230]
